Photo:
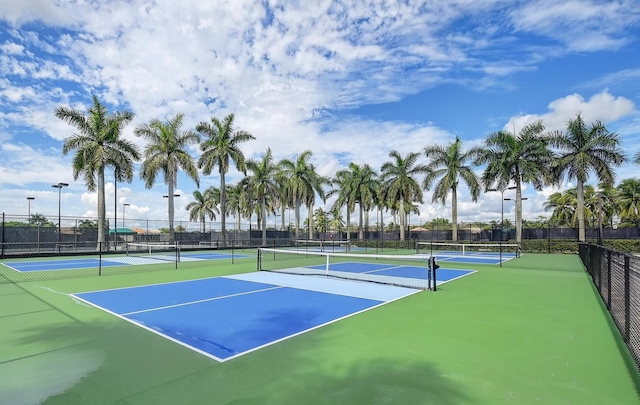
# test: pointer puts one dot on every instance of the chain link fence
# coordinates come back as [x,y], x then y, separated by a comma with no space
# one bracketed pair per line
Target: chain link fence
[616,276]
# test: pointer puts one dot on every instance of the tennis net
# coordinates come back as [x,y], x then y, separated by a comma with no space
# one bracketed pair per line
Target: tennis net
[323,245]
[406,271]
[156,251]
[208,244]
[468,249]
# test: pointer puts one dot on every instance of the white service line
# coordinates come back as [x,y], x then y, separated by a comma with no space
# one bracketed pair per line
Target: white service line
[200,301]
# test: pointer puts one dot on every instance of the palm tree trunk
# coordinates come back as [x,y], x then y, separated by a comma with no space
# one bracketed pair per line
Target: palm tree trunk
[101,210]
[297,218]
[518,214]
[223,208]
[172,235]
[580,210]
[263,205]
[310,221]
[360,223]
[282,217]
[402,219]
[366,220]
[454,214]
[348,222]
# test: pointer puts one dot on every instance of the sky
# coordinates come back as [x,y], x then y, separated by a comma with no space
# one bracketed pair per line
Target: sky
[349,80]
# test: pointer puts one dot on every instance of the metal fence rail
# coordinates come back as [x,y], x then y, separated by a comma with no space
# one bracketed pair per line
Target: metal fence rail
[616,276]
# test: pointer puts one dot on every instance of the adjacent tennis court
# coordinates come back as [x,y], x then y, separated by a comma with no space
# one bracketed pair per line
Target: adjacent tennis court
[402,270]
[226,317]
[473,253]
[112,260]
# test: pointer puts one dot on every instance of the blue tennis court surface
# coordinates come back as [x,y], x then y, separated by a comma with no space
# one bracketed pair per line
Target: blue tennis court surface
[443,274]
[474,257]
[226,317]
[107,261]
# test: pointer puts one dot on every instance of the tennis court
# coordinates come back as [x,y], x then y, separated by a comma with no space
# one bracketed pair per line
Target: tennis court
[533,331]
[443,274]
[472,253]
[226,317]
[109,261]
[402,270]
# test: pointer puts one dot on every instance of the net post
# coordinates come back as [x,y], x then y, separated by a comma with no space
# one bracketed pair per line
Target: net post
[177,253]
[429,273]
[259,259]
[327,266]
[100,258]
[432,273]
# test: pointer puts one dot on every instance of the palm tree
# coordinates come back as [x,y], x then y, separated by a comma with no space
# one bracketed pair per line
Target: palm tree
[303,184]
[234,202]
[39,219]
[517,159]
[586,148]
[321,219]
[399,183]
[87,224]
[221,146]
[628,200]
[262,181]
[98,145]
[366,187]
[205,205]
[283,198]
[336,222]
[166,153]
[450,163]
[563,206]
[248,199]
[345,189]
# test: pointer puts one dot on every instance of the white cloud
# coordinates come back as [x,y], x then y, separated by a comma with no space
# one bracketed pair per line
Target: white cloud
[18,12]
[584,25]
[279,68]
[601,106]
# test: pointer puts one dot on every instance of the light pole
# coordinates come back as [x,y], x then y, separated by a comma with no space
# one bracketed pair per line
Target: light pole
[29,199]
[59,187]
[124,205]
[515,218]
[171,232]
[502,210]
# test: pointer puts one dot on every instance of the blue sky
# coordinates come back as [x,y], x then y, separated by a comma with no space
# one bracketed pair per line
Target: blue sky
[350,80]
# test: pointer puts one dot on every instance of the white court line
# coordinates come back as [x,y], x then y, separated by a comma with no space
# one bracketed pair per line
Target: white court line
[200,301]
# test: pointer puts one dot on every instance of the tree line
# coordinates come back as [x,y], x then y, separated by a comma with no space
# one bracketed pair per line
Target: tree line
[509,160]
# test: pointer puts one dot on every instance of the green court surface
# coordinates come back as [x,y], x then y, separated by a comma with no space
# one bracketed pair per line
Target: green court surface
[531,332]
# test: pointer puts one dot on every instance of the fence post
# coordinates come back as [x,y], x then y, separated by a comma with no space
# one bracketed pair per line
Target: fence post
[2,244]
[609,280]
[627,299]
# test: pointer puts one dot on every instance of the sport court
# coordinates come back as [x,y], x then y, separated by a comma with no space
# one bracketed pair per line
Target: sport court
[109,261]
[485,253]
[226,317]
